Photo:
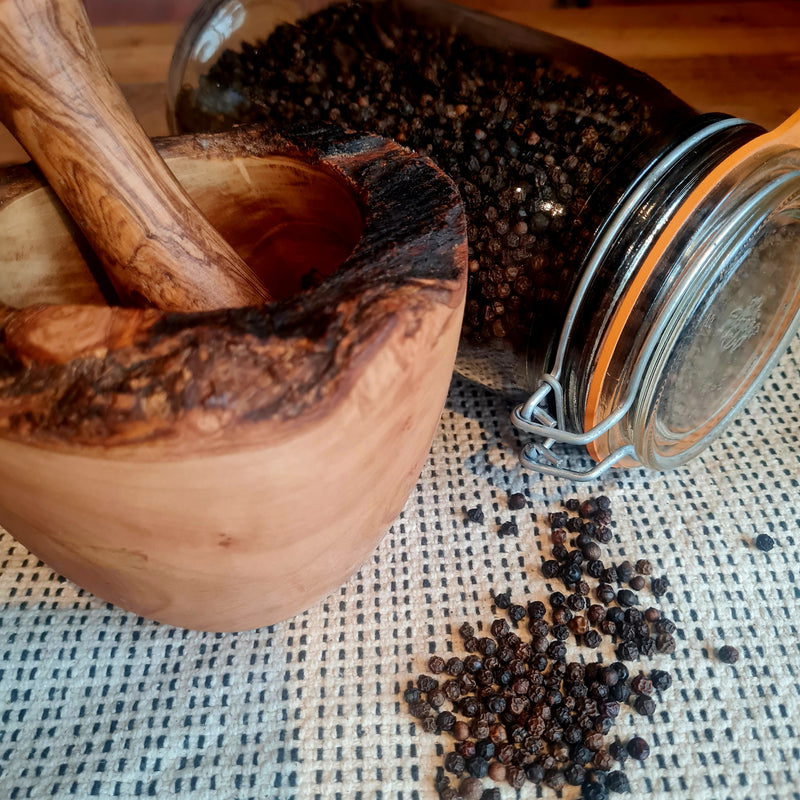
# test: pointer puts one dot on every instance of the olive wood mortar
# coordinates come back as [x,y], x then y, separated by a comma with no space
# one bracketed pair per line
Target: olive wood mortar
[223,470]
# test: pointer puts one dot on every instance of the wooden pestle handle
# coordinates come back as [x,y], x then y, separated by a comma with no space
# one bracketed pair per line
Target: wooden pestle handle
[58,98]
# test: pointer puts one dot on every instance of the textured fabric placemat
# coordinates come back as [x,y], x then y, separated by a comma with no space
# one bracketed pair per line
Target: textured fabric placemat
[95,702]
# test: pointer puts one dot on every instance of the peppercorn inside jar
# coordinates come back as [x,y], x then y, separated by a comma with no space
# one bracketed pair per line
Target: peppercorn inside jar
[573,170]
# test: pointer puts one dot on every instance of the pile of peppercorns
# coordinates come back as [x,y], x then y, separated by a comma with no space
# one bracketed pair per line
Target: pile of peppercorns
[516,709]
[526,141]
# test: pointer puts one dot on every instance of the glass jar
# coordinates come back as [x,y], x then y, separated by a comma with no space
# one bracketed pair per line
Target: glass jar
[633,265]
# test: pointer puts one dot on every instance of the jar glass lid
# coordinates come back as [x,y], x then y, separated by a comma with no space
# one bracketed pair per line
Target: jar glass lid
[728,333]
[727,278]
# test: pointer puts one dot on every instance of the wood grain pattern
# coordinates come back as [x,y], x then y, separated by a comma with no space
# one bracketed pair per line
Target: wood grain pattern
[60,101]
[223,470]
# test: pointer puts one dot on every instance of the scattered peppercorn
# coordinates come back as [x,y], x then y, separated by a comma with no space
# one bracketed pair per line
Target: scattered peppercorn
[617,781]
[517,501]
[475,514]
[644,705]
[637,583]
[661,680]
[728,654]
[764,542]
[659,586]
[532,715]
[638,748]
[508,529]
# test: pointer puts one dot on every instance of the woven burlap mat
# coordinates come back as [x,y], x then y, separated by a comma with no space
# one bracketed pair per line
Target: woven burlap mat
[97,702]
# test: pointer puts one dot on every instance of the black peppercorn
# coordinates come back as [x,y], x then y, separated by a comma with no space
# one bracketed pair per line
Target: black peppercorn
[644,567]
[588,508]
[594,569]
[516,612]
[534,772]
[556,651]
[617,781]
[620,692]
[499,628]
[647,647]
[502,600]
[665,643]
[603,534]
[625,597]
[633,615]
[562,615]
[605,593]
[412,694]
[475,515]
[550,569]
[765,542]
[472,663]
[494,792]
[436,699]
[659,586]
[728,654]
[591,551]
[576,602]
[469,706]
[638,748]
[616,615]
[477,766]
[436,664]
[644,705]
[666,626]
[420,709]
[593,791]
[426,684]
[580,754]
[454,762]
[536,609]
[661,680]
[558,519]
[496,704]
[517,501]
[471,644]
[575,525]
[592,639]
[507,529]
[637,583]
[559,552]
[627,651]
[558,536]
[642,684]
[556,599]
[575,774]
[618,750]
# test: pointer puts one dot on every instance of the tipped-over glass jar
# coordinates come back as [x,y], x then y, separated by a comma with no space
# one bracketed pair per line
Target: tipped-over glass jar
[633,263]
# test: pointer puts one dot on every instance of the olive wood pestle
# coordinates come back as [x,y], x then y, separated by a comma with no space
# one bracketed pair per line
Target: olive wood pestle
[58,98]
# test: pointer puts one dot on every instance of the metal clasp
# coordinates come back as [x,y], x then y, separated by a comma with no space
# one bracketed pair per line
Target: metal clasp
[534,418]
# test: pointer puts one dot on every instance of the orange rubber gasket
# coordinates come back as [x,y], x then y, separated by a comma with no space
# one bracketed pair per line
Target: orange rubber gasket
[600,448]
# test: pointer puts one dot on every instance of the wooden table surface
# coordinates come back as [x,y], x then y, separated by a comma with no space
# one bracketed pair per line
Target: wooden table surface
[741,57]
